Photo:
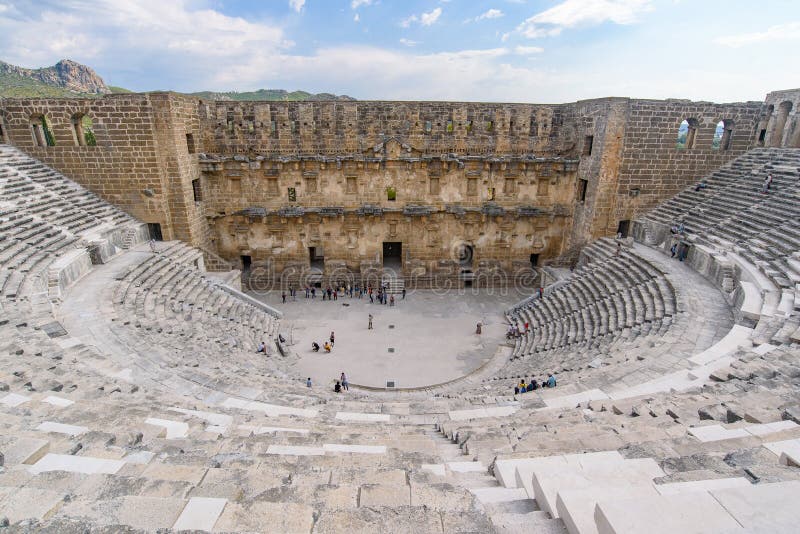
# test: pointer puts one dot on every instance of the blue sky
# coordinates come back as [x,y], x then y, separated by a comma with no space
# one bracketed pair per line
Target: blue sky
[502,50]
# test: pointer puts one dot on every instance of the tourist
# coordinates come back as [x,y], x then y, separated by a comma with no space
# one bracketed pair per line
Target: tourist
[315,346]
[262,347]
[153,246]
[283,296]
[551,380]
[369,327]
[619,249]
[404,293]
[516,390]
[313,292]
[532,385]
[371,301]
[523,387]
[541,292]
[767,184]
[345,383]
[478,329]
[327,347]
[308,382]
[674,249]
[335,294]
[308,291]
[527,327]
[700,186]
[332,338]
[391,301]
[338,387]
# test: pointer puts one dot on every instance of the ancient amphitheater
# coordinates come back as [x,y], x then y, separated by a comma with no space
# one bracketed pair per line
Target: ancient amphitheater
[133,398]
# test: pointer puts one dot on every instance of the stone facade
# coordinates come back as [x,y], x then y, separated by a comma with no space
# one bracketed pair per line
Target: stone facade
[140,161]
[780,126]
[455,190]
[652,167]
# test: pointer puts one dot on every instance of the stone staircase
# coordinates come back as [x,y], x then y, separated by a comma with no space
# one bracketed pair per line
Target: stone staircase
[393,282]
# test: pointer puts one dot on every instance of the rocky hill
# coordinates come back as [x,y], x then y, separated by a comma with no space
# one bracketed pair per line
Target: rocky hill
[68,78]
[66,74]
[275,95]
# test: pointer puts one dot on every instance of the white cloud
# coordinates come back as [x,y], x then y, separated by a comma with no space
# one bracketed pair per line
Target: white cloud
[136,37]
[356,18]
[490,14]
[297,5]
[184,45]
[355,4]
[575,13]
[408,42]
[781,32]
[426,19]
[528,50]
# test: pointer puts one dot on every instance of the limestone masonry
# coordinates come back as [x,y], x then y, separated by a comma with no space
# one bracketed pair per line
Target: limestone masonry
[654,386]
[452,190]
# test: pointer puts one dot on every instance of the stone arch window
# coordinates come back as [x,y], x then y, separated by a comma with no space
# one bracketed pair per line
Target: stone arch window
[83,130]
[723,135]
[40,130]
[780,123]
[687,134]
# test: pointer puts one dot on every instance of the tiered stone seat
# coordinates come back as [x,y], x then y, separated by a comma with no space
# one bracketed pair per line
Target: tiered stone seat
[610,301]
[743,237]
[149,409]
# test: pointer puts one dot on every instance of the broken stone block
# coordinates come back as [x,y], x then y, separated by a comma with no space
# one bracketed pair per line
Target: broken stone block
[791,413]
[713,412]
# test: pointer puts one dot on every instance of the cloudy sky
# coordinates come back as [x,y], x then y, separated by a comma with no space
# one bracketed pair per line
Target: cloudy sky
[500,50]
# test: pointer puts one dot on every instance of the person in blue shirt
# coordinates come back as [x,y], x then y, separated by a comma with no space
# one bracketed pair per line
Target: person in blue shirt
[551,381]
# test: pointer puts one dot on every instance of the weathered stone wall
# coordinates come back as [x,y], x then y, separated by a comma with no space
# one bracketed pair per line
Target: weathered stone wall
[345,210]
[352,127]
[140,162]
[174,117]
[122,165]
[782,125]
[652,168]
[601,133]
[507,180]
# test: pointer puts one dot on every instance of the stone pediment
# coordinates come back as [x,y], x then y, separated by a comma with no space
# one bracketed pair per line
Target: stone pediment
[395,148]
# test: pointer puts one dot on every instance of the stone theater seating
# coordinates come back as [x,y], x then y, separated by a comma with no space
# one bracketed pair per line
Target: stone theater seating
[138,401]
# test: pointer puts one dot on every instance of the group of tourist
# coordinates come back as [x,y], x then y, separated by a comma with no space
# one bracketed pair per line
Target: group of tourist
[341,385]
[381,294]
[332,294]
[514,331]
[327,346]
[533,385]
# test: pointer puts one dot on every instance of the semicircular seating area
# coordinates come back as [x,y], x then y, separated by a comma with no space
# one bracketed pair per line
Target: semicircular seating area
[132,398]
[744,239]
